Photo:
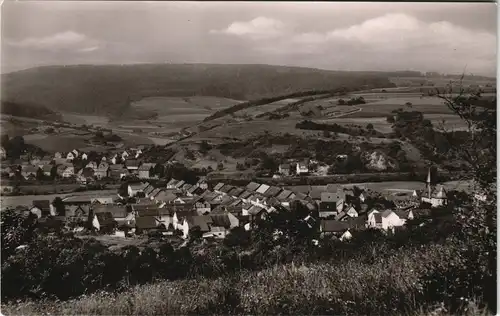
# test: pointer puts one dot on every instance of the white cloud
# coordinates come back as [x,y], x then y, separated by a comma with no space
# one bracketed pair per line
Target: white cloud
[393,41]
[68,40]
[258,28]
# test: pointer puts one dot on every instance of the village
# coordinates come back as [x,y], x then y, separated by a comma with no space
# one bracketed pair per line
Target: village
[145,204]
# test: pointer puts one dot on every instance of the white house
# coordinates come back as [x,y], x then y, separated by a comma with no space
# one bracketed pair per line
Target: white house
[70,156]
[135,188]
[91,164]
[388,219]
[302,167]
[84,156]
[3,153]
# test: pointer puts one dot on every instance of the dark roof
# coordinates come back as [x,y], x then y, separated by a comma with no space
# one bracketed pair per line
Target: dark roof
[331,196]
[285,194]
[327,206]
[43,205]
[146,166]
[226,188]
[252,186]
[220,220]
[181,214]
[143,210]
[245,194]
[333,226]
[117,167]
[254,210]
[116,211]
[166,195]
[218,186]
[132,163]
[146,222]
[272,191]
[105,218]
[150,188]
[285,166]
[402,213]
[236,191]
[378,218]
[201,221]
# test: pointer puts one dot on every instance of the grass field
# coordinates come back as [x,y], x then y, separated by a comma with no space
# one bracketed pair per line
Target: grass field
[27,200]
[389,185]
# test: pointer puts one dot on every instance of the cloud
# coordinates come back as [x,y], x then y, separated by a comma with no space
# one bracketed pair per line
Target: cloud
[392,41]
[258,28]
[68,40]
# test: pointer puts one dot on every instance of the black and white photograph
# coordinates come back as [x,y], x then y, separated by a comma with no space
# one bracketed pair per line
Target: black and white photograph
[248,158]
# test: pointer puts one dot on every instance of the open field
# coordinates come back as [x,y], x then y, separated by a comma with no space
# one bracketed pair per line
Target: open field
[27,200]
[388,186]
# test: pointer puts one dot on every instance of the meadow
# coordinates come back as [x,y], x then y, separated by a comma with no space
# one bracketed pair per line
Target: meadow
[27,200]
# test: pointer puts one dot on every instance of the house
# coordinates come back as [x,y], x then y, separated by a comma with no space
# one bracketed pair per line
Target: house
[272,191]
[171,184]
[345,214]
[91,165]
[135,188]
[235,192]
[285,196]
[218,186]
[245,195]
[180,215]
[388,219]
[145,170]
[118,171]
[118,212]
[101,200]
[104,222]
[220,224]
[68,172]
[148,190]
[132,165]
[194,190]
[302,167]
[85,156]
[75,152]
[146,223]
[200,222]
[202,207]
[29,172]
[179,184]
[202,183]
[70,156]
[335,228]
[125,155]
[186,187]
[42,208]
[84,174]
[327,209]
[167,196]
[3,153]
[34,160]
[102,171]
[226,188]
[154,193]
[252,186]
[77,211]
[57,155]
[337,198]
[284,169]
[262,188]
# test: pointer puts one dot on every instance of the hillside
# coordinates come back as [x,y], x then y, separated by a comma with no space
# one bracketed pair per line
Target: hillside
[109,89]
[29,110]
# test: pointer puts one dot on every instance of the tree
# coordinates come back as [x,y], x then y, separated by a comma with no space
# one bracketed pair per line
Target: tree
[59,206]
[478,149]
[99,134]
[39,174]
[4,141]
[205,146]
[326,134]
[390,119]
[341,102]
[369,126]
[220,166]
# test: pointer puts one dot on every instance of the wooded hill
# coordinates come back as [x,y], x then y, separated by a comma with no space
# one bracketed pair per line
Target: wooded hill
[109,89]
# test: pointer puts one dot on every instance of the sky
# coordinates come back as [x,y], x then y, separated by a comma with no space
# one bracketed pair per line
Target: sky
[443,37]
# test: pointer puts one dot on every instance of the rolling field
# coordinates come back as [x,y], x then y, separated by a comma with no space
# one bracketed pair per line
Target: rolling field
[27,200]
[388,186]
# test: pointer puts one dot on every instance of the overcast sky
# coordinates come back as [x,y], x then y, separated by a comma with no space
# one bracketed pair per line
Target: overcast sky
[445,37]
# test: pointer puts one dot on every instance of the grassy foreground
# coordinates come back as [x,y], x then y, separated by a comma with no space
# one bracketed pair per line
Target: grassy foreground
[390,286]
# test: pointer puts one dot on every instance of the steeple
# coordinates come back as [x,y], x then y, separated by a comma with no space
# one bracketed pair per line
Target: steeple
[429,183]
